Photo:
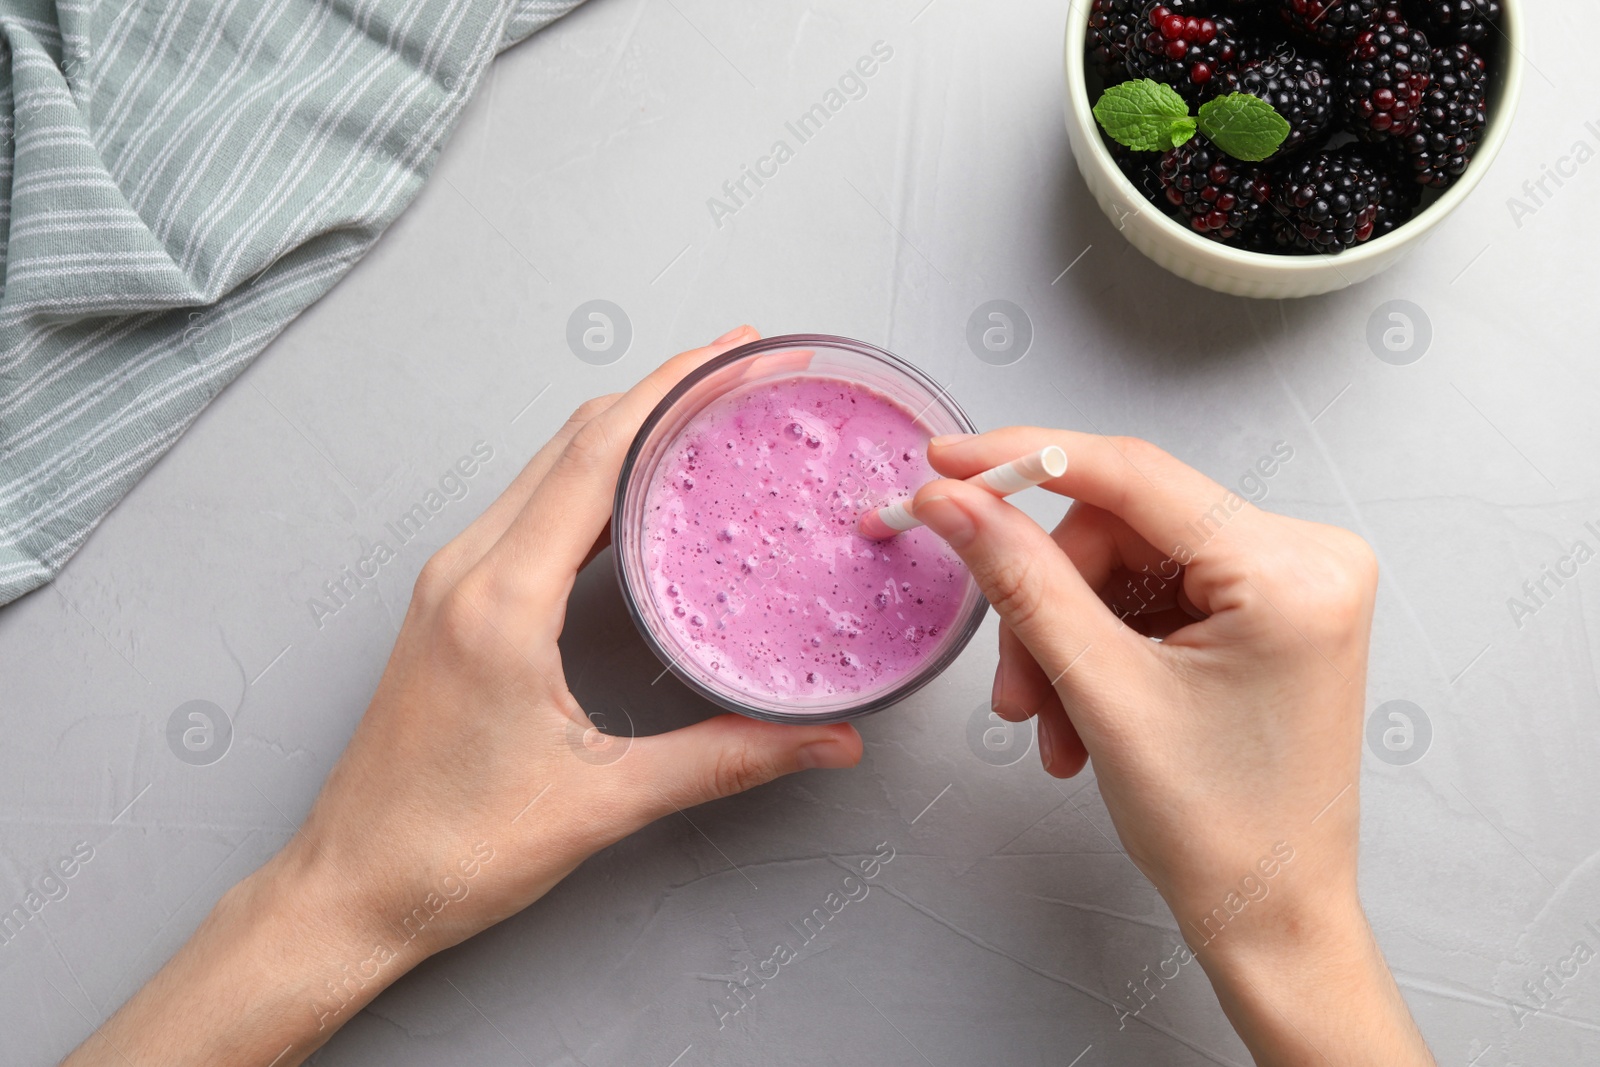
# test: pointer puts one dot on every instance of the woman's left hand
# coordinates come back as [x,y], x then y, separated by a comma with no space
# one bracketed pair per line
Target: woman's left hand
[473,784]
[473,722]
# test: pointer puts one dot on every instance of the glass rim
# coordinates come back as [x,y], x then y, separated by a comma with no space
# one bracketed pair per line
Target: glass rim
[960,635]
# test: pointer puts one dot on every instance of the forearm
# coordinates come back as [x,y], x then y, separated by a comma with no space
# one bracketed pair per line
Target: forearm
[282,962]
[1315,990]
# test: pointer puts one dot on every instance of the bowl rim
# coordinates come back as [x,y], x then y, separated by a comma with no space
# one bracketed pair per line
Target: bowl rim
[959,636]
[1505,98]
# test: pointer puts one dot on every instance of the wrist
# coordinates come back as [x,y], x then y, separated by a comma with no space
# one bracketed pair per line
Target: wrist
[328,947]
[1307,983]
[1314,914]
[281,962]
[1325,935]
[409,900]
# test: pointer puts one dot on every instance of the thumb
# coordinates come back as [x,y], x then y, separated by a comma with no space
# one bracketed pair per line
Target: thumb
[729,754]
[1031,583]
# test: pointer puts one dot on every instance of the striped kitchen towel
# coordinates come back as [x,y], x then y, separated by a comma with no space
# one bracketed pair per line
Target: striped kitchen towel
[178,180]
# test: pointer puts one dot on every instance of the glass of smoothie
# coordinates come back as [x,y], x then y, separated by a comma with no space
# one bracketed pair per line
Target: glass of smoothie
[736,539]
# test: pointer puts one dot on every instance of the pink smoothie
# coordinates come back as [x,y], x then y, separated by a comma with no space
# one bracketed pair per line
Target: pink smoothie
[753,554]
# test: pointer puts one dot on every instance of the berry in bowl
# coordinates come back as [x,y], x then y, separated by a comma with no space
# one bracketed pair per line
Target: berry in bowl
[1288,147]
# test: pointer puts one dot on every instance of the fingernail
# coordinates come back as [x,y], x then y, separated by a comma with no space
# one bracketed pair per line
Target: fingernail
[945,439]
[828,755]
[1008,710]
[730,335]
[1047,742]
[945,518]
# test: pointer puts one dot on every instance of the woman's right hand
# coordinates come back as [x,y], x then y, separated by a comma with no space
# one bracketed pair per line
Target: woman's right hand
[1229,751]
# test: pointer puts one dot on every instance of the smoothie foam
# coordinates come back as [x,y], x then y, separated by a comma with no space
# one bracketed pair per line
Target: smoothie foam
[753,556]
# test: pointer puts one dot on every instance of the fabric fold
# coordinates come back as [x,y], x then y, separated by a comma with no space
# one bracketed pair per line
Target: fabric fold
[178,181]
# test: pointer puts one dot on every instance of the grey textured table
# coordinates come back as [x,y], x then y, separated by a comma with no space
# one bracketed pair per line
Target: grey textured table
[1009,923]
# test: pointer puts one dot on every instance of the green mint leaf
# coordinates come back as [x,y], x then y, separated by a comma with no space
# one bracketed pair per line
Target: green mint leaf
[1244,126]
[1144,115]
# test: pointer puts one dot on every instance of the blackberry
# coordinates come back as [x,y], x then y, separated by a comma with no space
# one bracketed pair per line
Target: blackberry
[1398,196]
[1398,201]
[1177,44]
[1219,196]
[1252,18]
[1258,237]
[1328,22]
[1384,80]
[1326,202]
[1111,27]
[1261,237]
[1454,112]
[1300,89]
[1456,20]
[1142,169]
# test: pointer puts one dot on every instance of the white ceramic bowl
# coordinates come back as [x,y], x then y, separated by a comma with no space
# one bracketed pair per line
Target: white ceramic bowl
[1255,274]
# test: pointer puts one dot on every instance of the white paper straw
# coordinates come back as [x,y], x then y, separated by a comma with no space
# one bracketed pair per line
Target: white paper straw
[1024,473]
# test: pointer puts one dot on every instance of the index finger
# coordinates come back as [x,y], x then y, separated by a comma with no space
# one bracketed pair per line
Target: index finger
[1167,502]
[534,561]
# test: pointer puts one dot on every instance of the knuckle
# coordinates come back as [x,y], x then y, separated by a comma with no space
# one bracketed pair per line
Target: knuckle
[1144,457]
[1011,589]
[1326,584]
[1140,452]
[1357,556]
[738,769]
[462,621]
[591,445]
[434,580]
[586,411]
